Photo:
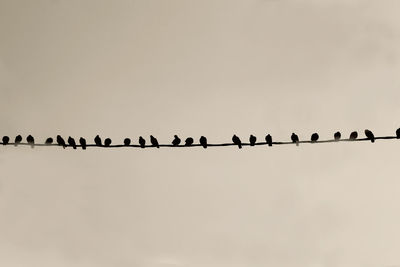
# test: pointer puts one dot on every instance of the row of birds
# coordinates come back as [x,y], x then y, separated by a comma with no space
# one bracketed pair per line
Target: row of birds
[176,141]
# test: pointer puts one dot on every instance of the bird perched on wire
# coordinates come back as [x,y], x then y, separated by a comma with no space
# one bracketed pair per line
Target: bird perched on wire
[154,141]
[176,140]
[268,139]
[353,135]
[236,141]
[370,135]
[82,141]
[189,141]
[97,140]
[61,141]
[337,136]
[142,142]
[295,139]
[314,137]
[71,142]
[107,142]
[30,140]
[48,141]
[252,140]
[18,140]
[5,140]
[127,142]
[203,141]
[398,133]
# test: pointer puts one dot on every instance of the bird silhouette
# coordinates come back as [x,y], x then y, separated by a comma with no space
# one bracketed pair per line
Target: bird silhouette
[252,140]
[189,141]
[61,141]
[353,135]
[398,133]
[268,139]
[5,140]
[314,137]
[49,141]
[107,142]
[370,135]
[97,140]
[176,140]
[127,142]
[236,141]
[295,139]
[154,141]
[18,140]
[30,140]
[142,142]
[337,136]
[71,142]
[203,141]
[82,141]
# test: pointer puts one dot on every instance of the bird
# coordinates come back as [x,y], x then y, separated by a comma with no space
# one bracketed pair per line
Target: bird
[337,136]
[5,140]
[18,139]
[142,142]
[71,142]
[154,141]
[107,142]
[370,135]
[127,142]
[353,135]
[97,140]
[236,141]
[314,137]
[61,141]
[176,140]
[398,133]
[252,140]
[49,141]
[82,141]
[295,139]
[30,140]
[203,141]
[268,139]
[189,141]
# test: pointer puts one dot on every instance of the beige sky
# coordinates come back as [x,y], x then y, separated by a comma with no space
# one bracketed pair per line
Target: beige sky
[214,68]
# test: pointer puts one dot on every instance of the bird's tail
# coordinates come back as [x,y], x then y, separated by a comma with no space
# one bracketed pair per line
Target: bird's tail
[297,143]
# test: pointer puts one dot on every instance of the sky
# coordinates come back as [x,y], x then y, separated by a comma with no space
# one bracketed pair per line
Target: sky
[213,68]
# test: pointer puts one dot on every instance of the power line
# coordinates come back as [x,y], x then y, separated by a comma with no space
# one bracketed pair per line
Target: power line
[176,143]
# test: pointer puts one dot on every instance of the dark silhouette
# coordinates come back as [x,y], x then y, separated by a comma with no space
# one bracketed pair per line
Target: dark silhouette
[236,141]
[107,142]
[295,139]
[353,135]
[61,141]
[314,137]
[337,136]
[127,142]
[252,140]
[154,141]
[18,139]
[268,139]
[49,141]
[97,140]
[203,141]
[398,133]
[189,141]
[176,140]
[5,140]
[370,135]
[82,141]
[71,142]
[30,140]
[142,142]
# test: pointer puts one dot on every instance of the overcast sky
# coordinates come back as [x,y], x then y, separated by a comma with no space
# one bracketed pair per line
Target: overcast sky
[214,68]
